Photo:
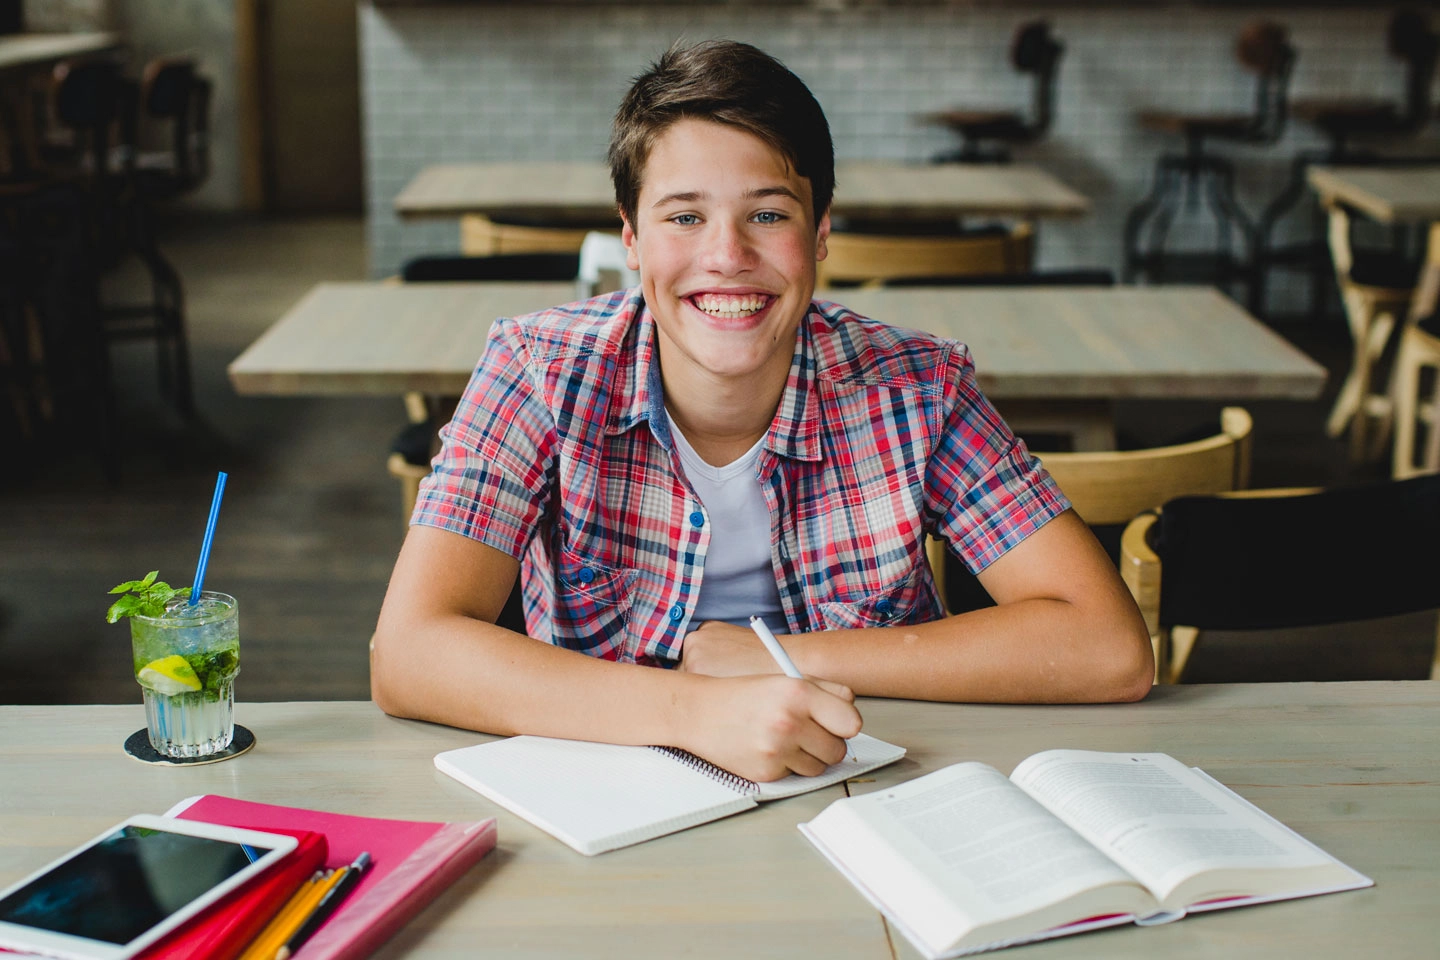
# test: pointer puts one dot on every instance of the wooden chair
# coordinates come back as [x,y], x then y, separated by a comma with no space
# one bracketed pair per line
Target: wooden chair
[875,259]
[483,237]
[1419,350]
[1256,562]
[1376,289]
[1112,487]
[1109,487]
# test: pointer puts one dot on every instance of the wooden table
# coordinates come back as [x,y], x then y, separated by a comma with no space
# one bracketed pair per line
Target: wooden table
[1390,194]
[27,50]
[1354,767]
[560,193]
[1051,358]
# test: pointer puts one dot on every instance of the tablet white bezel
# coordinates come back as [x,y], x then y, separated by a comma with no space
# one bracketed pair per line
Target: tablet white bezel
[21,937]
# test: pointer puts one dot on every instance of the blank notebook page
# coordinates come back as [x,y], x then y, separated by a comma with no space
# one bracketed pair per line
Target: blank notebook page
[585,791]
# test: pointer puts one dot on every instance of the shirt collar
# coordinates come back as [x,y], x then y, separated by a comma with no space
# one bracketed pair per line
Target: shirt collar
[638,393]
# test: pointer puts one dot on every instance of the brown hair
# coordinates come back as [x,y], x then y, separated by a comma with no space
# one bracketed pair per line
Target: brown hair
[727,82]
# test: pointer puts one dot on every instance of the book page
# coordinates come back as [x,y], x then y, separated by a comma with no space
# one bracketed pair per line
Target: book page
[1167,826]
[961,851]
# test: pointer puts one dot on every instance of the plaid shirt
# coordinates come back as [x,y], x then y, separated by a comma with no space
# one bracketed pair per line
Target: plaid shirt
[560,454]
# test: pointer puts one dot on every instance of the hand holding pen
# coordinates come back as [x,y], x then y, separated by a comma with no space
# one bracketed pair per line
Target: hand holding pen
[787,666]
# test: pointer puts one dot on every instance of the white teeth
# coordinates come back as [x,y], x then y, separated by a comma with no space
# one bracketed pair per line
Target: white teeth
[729,307]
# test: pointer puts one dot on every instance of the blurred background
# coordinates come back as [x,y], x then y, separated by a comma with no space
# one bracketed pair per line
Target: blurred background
[300,123]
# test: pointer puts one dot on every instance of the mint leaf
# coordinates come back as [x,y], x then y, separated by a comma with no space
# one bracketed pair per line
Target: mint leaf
[146,597]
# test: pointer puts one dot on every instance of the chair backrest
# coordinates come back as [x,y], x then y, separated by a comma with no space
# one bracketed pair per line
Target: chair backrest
[873,260]
[1035,50]
[1412,40]
[1335,556]
[1264,49]
[1112,487]
[602,253]
[1082,277]
[484,237]
[171,91]
[505,266]
[93,99]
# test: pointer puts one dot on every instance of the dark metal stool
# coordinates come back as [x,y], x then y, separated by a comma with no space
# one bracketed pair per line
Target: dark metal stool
[1035,51]
[1264,50]
[1342,120]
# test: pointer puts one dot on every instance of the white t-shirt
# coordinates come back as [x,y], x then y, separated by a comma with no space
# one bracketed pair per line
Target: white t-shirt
[739,580]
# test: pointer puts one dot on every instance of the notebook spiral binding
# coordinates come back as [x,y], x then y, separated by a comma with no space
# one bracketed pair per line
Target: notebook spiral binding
[701,765]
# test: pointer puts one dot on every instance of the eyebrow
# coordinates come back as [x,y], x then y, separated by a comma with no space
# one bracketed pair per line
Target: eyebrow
[691,196]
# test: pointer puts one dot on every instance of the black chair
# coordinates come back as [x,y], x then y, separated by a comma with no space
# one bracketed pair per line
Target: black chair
[1256,563]
[101,108]
[1035,51]
[502,266]
[1343,120]
[1264,50]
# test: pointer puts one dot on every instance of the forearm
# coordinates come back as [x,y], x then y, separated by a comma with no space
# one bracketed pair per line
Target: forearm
[479,676]
[1028,651]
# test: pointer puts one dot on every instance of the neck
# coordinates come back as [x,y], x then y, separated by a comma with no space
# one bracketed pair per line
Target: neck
[722,419]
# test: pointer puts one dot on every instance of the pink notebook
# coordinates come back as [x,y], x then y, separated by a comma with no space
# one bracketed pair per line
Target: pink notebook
[412,862]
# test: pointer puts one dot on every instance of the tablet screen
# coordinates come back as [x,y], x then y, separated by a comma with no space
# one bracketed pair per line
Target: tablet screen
[117,889]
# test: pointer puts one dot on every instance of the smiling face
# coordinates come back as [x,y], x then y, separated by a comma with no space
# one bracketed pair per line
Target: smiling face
[725,240]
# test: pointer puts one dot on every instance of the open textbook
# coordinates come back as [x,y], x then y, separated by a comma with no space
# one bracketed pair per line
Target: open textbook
[602,796]
[963,860]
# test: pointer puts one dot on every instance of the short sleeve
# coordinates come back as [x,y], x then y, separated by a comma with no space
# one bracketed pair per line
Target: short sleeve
[491,479]
[985,491]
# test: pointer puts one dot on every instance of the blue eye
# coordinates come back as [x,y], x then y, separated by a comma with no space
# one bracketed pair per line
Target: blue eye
[685,219]
[769,216]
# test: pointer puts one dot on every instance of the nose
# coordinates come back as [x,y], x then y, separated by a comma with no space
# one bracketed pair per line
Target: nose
[729,250]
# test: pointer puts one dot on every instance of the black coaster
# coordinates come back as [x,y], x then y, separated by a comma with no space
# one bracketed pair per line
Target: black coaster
[138,746]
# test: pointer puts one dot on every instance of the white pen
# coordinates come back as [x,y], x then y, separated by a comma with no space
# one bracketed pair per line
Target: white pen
[787,666]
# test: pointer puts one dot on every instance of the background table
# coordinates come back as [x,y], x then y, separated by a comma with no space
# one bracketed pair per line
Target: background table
[558,193]
[1352,766]
[1029,343]
[1390,194]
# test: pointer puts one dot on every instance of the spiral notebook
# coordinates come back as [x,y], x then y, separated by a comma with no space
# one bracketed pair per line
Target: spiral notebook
[602,796]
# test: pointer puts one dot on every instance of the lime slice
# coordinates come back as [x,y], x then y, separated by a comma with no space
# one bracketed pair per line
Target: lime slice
[169,676]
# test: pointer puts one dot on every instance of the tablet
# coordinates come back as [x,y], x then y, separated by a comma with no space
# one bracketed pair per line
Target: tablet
[130,886]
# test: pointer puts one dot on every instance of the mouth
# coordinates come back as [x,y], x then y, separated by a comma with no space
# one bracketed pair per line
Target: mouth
[730,306]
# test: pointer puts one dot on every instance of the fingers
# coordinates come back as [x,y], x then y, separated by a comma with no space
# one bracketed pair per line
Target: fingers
[835,689]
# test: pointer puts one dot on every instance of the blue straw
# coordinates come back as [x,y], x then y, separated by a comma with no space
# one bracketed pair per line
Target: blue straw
[209,536]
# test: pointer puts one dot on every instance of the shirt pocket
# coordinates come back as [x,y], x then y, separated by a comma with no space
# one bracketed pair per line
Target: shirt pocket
[592,606]
[908,600]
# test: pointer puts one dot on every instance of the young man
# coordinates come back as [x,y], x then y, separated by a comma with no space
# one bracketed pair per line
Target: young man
[666,461]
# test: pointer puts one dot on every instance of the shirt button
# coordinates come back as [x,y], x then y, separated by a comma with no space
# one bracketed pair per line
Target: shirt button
[587,574]
[885,607]
[677,613]
[697,519]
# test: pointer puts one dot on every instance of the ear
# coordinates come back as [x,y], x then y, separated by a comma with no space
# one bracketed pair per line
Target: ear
[822,233]
[627,237]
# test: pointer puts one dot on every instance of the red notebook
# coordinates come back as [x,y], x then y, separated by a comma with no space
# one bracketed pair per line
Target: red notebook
[223,931]
[411,863]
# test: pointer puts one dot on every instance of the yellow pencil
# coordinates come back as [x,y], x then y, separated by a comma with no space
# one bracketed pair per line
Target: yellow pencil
[296,909]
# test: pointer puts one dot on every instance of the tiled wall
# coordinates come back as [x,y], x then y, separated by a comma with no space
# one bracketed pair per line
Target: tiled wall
[475,82]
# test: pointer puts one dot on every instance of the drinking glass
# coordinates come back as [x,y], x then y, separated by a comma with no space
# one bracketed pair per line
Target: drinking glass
[185,662]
